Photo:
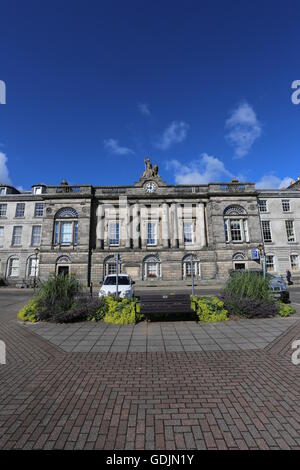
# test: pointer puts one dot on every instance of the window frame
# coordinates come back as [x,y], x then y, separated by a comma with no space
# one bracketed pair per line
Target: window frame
[184,226]
[260,206]
[10,267]
[3,212]
[290,231]
[36,214]
[14,236]
[154,235]
[295,268]
[264,231]
[34,235]
[114,234]
[283,201]
[20,214]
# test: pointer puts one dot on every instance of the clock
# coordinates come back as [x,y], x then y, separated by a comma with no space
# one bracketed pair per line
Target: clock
[150,187]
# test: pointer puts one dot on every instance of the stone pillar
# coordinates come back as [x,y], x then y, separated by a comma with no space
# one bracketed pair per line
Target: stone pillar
[136,226]
[165,225]
[124,220]
[201,232]
[242,229]
[100,227]
[174,218]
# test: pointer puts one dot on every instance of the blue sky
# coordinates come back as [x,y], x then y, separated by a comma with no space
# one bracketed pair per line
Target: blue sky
[203,87]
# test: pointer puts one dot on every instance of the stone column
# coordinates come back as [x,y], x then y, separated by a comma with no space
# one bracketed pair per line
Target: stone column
[136,228]
[242,229]
[100,227]
[165,225]
[201,232]
[124,221]
[174,218]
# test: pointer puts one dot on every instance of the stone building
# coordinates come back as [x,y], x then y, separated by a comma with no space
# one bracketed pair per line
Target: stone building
[156,228]
[280,219]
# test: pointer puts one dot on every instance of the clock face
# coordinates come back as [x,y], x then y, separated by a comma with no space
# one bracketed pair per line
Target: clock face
[150,187]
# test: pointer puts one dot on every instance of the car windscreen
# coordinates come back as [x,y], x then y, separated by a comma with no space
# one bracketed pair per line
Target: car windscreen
[122,281]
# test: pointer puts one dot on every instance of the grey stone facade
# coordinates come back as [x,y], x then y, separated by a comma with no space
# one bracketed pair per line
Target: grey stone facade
[156,228]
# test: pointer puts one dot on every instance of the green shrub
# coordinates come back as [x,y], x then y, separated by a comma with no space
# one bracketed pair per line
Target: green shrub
[286,310]
[249,285]
[84,308]
[122,311]
[251,308]
[209,309]
[247,294]
[57,295]
[30,312]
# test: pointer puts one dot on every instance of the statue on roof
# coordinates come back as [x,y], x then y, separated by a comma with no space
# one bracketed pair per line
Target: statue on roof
[150,172]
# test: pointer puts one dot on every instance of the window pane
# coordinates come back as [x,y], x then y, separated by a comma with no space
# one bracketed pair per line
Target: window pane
[3,209]
[235,230]
[14,267]
[286,205]
[114,236]
[33,267]
[262,205]
[151,233]
[39,209]
[266,231]
[270,262]
[20,209]
[188,232]
[17,235]
[152,269]
[36,235]
[295,262]
[66,233]
[289,225]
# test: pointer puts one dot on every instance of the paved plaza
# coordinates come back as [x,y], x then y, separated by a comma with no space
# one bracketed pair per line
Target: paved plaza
[164,336]
[155,386]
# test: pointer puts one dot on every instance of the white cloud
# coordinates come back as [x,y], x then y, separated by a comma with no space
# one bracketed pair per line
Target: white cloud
[144,109]
[206,169]
[243,129]
[273,182]
[4,177]
[113,146]
[175,133]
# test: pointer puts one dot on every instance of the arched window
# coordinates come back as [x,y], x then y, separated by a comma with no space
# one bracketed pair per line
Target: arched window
[32,266]
[187,262]
[239,261]
[66,227]
[152,267]
[13,269]
[110,266]
[236,224]
[63,265]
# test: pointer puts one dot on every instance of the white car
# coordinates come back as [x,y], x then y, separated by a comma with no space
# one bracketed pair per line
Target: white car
[109,287]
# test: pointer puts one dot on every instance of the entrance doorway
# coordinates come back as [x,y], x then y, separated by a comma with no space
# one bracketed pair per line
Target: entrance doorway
[63,270]
[238,266]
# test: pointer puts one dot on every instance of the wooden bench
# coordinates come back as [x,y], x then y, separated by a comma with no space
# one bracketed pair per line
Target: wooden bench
[166,306]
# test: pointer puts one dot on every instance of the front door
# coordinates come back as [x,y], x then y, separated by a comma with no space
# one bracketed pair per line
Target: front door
[238,266]
[63,270]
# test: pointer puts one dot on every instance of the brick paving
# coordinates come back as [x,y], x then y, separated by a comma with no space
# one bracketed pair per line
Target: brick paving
[164,337]
[53,399]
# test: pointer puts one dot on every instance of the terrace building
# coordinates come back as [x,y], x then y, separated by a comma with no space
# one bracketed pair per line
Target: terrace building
[156,228]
